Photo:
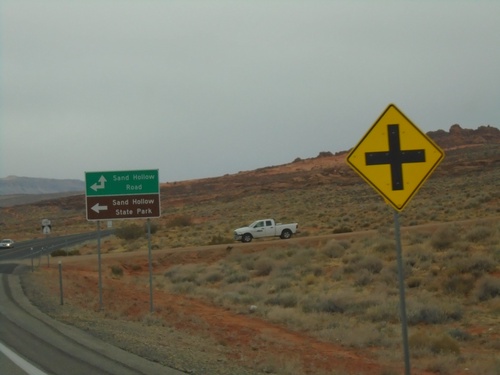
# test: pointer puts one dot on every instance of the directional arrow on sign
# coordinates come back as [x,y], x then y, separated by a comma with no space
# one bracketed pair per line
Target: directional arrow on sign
[102,183]
[98,208]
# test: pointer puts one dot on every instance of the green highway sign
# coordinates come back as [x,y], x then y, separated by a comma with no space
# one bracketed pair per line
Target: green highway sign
[122,194]
[122,182]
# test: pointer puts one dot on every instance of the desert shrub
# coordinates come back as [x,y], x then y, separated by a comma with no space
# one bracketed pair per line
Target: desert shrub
[479,233]
[333,249]
[130,231]
[385,246]
[64,253]
[459,334]
[413,282]
[364,277]
[280,283]
[186,287]
[358,336]
[434,344]
[263,266]
[415,238]
[283,300]
[219,239]
[116,270]
[487,288]
[476,201]
[490,366]
[180,221]
[317,271]
[459,284]
[214,277]
[248,263]
[135,267]
[477,265]
[342,229]
[237,277]
[59,253]
[183,274]
[444,344]
[309,279]
[357,262]
[235,298]
[371,263]
[444,237]
[420,254]
[430,312]
[352,257]
[386,311]
[328,304]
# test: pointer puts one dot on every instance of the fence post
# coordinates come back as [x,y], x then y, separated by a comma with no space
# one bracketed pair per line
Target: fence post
[61,283]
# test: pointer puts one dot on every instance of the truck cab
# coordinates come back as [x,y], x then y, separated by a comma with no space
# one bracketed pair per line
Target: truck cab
[263,228]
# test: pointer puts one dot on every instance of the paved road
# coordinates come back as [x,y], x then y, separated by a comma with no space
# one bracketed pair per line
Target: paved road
[7,364]
[32,343]
[42,247]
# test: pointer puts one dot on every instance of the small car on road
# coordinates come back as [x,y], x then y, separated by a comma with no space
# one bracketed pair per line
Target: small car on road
[6,243]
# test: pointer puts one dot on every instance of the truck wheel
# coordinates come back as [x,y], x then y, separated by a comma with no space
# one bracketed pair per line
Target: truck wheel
[247,237]
[286,234]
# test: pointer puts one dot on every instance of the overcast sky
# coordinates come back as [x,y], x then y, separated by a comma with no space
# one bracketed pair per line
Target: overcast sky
[206,88]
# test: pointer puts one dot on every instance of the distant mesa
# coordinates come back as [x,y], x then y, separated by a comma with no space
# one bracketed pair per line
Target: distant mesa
[11,185]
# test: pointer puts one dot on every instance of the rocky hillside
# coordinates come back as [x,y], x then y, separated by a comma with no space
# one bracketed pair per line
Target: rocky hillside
[459,137]
[466,150]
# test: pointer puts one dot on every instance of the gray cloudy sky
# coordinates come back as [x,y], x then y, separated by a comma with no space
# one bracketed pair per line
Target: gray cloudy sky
[205,88]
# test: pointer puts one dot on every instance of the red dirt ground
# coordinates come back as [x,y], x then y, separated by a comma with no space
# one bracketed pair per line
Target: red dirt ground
[249,335]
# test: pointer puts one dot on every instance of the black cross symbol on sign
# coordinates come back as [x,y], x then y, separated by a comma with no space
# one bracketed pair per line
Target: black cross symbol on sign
[395,157]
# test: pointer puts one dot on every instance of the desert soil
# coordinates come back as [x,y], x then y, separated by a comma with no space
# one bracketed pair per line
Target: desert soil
[188,334]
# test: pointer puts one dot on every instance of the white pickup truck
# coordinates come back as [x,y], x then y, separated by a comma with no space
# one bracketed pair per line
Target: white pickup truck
[265,228]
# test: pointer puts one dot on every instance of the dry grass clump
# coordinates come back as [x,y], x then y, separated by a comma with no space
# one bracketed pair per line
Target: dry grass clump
[435,344]
[444,237]
[335,249]
[487,288]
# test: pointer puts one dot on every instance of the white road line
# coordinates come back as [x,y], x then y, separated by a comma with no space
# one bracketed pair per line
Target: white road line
[20,362]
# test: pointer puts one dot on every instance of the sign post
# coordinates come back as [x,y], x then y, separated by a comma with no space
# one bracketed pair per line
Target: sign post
[122,195]
[396,158]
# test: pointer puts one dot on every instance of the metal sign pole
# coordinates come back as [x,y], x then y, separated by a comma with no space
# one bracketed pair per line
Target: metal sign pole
[150,268]
[99,262]
[402,303]
[61,284]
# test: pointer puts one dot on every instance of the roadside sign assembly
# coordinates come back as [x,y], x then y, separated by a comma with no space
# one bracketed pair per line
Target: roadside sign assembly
[123,195]
[396,158]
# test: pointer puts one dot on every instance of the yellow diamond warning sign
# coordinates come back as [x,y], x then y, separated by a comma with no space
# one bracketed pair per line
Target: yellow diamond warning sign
[395,157]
